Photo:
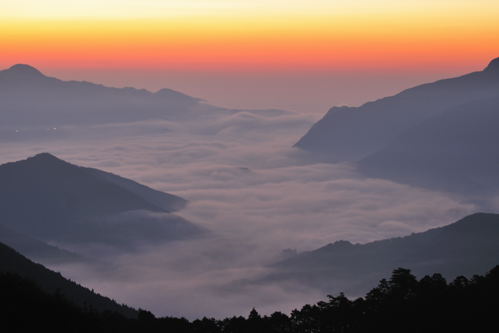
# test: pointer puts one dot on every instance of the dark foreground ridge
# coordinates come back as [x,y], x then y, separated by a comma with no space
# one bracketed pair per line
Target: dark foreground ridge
[399,304]
[50,283]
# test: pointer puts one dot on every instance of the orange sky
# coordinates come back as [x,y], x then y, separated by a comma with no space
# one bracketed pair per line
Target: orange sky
[271,36]
[332,34]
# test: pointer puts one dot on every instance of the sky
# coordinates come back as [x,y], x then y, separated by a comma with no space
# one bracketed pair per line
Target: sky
[300,55]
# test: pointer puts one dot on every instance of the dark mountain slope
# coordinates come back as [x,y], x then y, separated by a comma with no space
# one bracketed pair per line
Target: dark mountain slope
[52,200]
[36,249]
[164,201]
[399,303]
[52,282]
[466,247]
[455,151]
[351,133]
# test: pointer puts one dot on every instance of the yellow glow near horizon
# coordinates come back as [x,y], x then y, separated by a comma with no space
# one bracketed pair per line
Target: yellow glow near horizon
[247,34]
[109,9]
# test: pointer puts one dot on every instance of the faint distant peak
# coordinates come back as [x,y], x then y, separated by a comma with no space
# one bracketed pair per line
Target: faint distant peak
[25,70]
[493,66]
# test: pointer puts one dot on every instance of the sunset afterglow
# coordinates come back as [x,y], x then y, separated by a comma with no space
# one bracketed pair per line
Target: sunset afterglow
[244,35]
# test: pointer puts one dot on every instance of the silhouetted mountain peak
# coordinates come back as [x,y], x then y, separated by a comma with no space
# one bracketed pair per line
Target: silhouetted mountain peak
[25,70]
[493,66]
[45,158]
[37,164]
[50,199]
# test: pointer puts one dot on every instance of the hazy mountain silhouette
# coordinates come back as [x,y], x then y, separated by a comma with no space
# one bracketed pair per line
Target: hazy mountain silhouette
[34,107]
[455,151]
[352,133]
[36,249]
[466,247]
[52,282]
[30,98]
[52,200]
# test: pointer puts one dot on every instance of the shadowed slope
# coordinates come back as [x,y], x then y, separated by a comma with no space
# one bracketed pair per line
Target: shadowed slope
[36,249]
[455,151]
[466,247]
[50,199]
[351,133]
[52,282]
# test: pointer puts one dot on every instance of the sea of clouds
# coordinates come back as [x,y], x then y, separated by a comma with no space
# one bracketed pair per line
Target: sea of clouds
[253,192]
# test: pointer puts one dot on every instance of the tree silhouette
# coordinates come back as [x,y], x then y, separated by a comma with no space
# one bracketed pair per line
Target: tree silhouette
[399,304]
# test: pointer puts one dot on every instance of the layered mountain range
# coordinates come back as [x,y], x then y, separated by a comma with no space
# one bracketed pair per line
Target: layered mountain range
[439,135]
[36,106]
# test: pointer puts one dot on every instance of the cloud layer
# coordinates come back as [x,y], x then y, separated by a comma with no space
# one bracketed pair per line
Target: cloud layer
[255,194]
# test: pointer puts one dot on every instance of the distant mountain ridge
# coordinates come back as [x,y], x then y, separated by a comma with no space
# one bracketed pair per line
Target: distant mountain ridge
[36,107]
[28,77]
[468,246]
[52,200]
[352,133]
[31,99]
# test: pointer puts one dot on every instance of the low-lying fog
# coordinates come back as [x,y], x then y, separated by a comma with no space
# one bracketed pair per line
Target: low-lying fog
[256,195]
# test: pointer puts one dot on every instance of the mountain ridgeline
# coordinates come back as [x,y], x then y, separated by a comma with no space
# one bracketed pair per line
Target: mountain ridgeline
[38,107]
[68,204]
[439,135]
[400,303]
[29,97]
[465,247]
[50,282]
[352,133]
